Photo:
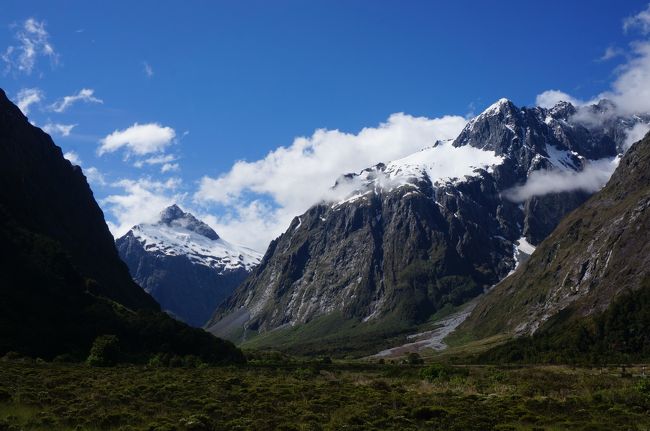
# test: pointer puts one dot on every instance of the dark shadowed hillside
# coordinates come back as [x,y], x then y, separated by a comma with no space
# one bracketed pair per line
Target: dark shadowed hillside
[62,282]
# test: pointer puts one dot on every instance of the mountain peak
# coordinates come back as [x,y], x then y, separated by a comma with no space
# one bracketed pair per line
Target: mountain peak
[563,110]
[500,105]
[171,213]
[174,216]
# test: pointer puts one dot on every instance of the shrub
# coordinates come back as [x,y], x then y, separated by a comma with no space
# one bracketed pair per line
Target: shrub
[176,361]
[12,356]
[105,351]
[414,359]
[434,372]
[643,386]
[65,358]
[191,361]
[428,413]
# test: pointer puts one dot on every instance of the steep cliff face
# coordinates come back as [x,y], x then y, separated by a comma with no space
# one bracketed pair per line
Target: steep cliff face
[50,196]
[434,228]
[596,253]
[184,264]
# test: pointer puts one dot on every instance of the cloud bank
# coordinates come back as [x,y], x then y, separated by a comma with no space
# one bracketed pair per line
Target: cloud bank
[261,197]
[542,182]
[636,133]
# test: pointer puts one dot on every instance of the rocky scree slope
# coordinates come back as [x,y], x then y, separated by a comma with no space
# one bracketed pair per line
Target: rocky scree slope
[184,264]
[432,229]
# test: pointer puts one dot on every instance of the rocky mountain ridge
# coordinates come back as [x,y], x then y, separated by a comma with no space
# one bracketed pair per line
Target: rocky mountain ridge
[414,235]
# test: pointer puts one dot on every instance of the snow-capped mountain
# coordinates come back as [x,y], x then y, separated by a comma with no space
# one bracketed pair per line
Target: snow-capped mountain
[411,236]
[184,264]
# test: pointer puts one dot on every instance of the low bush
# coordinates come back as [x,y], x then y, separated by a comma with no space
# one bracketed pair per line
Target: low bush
[105,351]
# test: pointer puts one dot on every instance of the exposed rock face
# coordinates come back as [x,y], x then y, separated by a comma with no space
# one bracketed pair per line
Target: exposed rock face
[596,252]
[184,264]
[431,229]
[50,196]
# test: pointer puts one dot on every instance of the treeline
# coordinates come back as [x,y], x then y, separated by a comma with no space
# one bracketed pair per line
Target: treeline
[618,335]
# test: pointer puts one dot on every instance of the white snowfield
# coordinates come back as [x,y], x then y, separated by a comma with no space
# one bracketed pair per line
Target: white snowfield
[441,163]
[176,240]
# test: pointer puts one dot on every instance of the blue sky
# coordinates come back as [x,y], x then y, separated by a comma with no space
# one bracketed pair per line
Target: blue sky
[229,81]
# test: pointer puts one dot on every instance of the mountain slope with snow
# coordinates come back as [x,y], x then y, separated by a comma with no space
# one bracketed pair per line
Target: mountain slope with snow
[184,264]
[433,229]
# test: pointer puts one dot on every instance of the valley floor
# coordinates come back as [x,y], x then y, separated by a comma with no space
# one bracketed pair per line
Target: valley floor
[319,396]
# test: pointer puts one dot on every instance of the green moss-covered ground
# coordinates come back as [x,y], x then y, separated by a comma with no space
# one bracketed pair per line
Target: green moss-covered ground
[317,395]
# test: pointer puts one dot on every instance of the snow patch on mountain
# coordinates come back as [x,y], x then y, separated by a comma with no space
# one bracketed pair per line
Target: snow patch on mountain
[180,234]
[177,241]
[524,246]
[440,164]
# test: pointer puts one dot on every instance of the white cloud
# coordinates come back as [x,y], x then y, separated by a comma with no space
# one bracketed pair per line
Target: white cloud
[591,179]
[636,133]
[169,167]
[630,90]
[140,202]
[164,160]
[611,52]
[155,160]
[550,98]
[73,158]
[148,70]
[640,21]
[27,97]
[291,179]
[139,139]
[33,41]
[58,129]
[84,95]
[244,223]
[94,176]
